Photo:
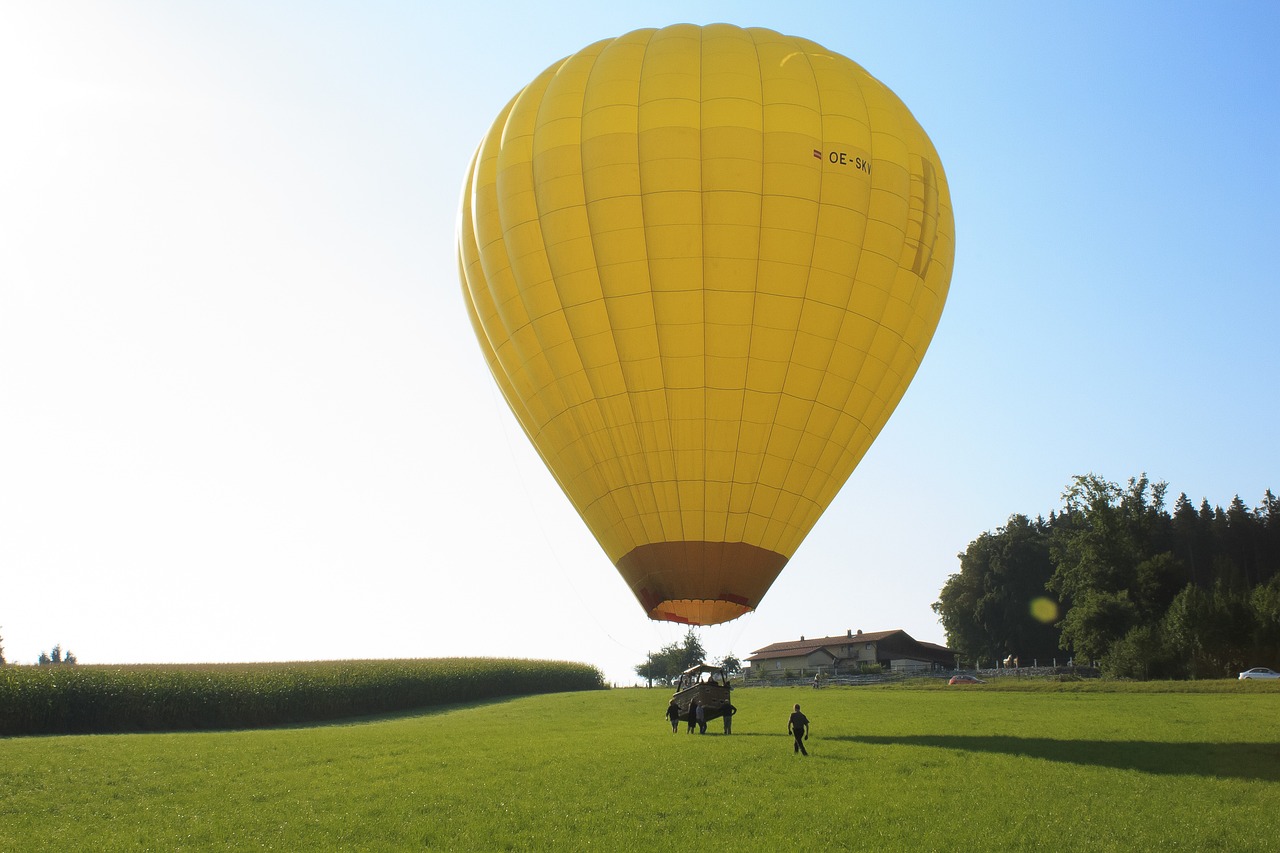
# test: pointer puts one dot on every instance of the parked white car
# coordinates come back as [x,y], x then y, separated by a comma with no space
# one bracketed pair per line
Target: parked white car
[1259,672]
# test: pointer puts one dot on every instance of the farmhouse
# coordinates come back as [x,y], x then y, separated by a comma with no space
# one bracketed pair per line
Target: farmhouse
[850,653]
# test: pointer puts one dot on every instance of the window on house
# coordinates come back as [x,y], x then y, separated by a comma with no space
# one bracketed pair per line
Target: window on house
[868,645]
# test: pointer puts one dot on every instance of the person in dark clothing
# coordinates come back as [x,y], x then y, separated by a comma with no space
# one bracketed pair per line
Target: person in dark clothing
[729,711]
[693,715]
[673,714]
[702,719]
[798,726]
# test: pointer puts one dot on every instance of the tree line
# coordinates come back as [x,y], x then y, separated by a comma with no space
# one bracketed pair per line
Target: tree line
[665,665]
[1114,576]
[55,658]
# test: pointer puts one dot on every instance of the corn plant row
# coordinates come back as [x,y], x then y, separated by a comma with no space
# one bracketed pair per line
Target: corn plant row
[96,699]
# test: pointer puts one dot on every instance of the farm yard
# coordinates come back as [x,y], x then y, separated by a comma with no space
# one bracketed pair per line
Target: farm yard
[1023,765]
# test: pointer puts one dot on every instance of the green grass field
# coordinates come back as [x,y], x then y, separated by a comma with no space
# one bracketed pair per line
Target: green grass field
[1031,767]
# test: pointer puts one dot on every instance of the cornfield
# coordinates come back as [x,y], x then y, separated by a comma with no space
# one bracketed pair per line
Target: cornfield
[93,699]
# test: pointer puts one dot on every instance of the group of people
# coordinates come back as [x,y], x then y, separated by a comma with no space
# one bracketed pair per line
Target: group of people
[797,723]
[698,716]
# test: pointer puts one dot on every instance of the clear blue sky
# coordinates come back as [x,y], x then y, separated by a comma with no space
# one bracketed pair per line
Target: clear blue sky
[243,417]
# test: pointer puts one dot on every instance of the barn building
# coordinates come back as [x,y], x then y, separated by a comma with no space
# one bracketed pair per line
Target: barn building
[849,654]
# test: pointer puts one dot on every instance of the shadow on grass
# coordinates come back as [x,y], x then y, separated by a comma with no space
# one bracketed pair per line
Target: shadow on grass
[1253,761]
[404,714]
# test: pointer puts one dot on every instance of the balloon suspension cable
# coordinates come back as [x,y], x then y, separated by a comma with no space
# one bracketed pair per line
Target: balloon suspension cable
[503,414]
[673,633]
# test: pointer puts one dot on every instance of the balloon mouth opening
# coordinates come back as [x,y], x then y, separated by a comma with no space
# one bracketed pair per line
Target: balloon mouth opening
[699,583]
[699,611]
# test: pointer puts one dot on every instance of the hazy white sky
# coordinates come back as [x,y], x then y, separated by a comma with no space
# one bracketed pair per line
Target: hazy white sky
[243,416]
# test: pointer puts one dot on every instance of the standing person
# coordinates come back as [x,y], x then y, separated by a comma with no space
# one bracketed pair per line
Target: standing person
[798,726]
[702,719]
[693,715]
[729,711]
[673,714]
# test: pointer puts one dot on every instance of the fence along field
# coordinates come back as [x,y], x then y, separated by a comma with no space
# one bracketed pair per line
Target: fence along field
[94,699]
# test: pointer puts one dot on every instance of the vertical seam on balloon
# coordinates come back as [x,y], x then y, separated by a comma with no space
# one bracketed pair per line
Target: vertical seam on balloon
[653,482]
[644,231]
[772,543]
[862,421]
[607,423]
[517,405]
[702,216]
[473,203]
[574,411]
[789,522]
[879,320]
[645,452]
[558,396]
[662,363]
[853,289]
[473,280]
[629,484]
[742,404]
[487,249]
[591,234]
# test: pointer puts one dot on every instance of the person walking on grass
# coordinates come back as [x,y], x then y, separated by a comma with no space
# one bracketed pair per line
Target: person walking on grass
[729,711]
[798,726]
[673,714]
[693,715]
[702,719]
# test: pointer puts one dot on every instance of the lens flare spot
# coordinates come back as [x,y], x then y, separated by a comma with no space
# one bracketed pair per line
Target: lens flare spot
[1044,609]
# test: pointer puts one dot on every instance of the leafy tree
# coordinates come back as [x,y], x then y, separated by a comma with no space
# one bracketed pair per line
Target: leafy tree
[1184,628]
[1113,564]
[1210,632]
[1230,629]
[1266,613]
[1149,592]
[657,666]
[957,604]
[1095,621]
[1095,551]
[665,665]
[1142,654]
[1191,544]
[56,658]
[1238,543]
[987,608]
[1,651]
[1156,581]
[1267,517]
[731,664]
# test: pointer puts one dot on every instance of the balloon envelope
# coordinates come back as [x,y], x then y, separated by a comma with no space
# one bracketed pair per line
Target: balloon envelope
[703,264]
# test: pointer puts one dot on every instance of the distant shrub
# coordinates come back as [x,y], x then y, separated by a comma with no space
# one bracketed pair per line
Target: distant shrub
[91,699]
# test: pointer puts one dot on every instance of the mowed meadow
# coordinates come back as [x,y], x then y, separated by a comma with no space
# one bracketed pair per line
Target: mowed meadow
[1015,766]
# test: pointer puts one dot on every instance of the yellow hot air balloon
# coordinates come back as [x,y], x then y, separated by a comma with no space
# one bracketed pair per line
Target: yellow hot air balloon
[703,264]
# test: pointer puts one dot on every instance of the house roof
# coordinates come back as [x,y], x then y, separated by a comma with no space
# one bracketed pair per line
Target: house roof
[799,648]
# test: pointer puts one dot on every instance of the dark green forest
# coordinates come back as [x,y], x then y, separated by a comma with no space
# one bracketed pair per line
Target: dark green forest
[1116,577]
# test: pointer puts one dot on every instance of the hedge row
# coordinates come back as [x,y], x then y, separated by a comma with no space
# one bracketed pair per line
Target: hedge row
[94,699]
